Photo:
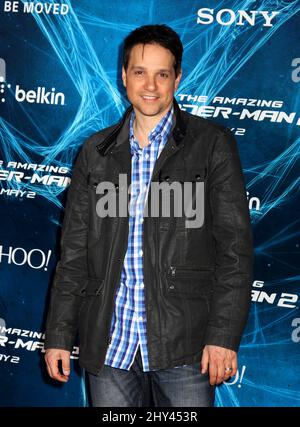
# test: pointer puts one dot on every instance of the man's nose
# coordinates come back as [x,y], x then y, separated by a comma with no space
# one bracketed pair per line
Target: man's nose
[150,83]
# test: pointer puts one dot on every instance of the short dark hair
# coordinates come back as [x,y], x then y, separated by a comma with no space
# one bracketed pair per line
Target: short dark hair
[154,34]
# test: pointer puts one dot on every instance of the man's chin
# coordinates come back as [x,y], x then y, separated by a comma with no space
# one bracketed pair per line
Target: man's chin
[149,111]
[150,114]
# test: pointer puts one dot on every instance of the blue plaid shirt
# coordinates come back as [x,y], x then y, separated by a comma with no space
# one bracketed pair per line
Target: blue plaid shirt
[128,327]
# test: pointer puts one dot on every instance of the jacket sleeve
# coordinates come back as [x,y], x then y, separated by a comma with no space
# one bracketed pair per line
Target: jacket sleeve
[232,234]
[70,277]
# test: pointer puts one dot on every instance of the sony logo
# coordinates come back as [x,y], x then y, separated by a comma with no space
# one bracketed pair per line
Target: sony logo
[206,16]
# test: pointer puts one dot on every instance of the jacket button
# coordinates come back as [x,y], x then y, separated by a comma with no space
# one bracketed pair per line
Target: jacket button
[198,177]
[167,178]
[171,287]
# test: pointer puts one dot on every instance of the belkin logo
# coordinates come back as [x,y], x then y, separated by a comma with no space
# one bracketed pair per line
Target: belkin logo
[206,16]
[40,96]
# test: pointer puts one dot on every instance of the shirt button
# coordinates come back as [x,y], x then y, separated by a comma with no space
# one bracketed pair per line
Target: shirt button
[141,318]
[147,156]
[142,285]
[140,253]
[141,220]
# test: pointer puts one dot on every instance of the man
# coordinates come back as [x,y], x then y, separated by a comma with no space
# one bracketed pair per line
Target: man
[160,305]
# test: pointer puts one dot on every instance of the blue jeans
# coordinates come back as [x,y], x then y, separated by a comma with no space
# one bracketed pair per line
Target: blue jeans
[174,387]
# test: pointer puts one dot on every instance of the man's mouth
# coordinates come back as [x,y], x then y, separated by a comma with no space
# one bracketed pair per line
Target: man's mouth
[150,98]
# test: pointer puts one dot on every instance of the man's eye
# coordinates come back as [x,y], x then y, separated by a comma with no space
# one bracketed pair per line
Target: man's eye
[164,75]
[139,72]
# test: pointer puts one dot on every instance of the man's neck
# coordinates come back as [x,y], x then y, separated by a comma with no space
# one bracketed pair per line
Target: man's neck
[143,125]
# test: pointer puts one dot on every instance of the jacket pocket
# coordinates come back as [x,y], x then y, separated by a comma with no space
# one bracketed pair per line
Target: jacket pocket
[189,292]
[104,200]
[194,272]
[190,281]
[93,289]
[184,192]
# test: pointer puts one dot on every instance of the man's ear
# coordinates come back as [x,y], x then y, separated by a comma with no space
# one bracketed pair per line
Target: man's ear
[124,76]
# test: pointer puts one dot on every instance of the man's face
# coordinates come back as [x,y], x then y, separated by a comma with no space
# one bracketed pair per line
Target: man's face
[150,79]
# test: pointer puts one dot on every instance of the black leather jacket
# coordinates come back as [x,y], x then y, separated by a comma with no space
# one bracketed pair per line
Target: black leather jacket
[197,280]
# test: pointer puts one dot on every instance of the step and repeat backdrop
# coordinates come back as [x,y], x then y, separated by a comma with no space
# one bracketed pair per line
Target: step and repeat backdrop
[60,81]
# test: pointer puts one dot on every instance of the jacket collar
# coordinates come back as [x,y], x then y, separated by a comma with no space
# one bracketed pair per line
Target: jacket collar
[121,132]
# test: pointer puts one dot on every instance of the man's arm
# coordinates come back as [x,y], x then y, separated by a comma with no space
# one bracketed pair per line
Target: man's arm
[231,229]
[71,271]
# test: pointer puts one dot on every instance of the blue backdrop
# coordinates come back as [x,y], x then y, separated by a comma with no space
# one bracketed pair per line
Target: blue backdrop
[60,81]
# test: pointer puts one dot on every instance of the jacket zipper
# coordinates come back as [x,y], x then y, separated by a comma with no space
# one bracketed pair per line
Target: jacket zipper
[176,270]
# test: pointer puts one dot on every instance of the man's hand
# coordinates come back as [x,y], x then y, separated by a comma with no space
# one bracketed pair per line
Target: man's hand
[217,359]
[52,356]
